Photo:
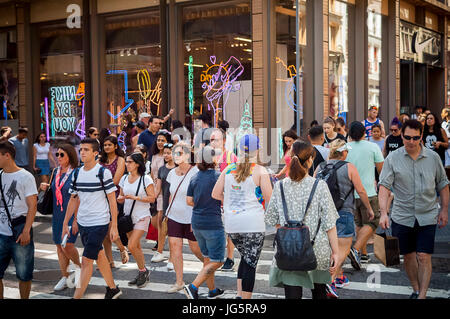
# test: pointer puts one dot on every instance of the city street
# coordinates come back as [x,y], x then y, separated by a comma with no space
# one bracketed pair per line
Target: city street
[394,283]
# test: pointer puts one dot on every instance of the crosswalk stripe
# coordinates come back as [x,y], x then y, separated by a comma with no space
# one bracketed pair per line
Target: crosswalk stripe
[193,267]
[13,293]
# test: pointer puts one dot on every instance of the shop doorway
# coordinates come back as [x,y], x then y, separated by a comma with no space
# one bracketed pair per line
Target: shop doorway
[421,85]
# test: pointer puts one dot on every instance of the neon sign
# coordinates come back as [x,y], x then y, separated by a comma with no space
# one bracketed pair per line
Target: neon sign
[63,113]
[81,127]
[5,111]
[128,101]
[191,85]
[219,82]
[145,89]
[121,141]
[246,123]
[291,88]
[47,127]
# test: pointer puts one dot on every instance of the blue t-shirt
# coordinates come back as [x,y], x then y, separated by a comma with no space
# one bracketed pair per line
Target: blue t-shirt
[148,139]
[206,213]
[21,151]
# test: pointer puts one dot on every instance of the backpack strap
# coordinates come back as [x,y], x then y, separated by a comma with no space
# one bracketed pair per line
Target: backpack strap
[4,201]
[101,175]
[75,177]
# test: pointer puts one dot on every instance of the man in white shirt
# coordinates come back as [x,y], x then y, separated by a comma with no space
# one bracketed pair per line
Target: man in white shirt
[93,198]
[17,212]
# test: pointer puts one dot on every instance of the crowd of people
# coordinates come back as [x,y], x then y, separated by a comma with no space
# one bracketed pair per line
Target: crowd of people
[217,196]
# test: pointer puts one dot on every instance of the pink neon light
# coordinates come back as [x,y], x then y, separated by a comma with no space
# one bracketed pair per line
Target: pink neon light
[46,119]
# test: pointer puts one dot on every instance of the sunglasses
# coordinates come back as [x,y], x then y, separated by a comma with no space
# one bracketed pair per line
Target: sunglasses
[178,153]
[59,155]
[129,162]
[408,138]
[168,145]
[394,129]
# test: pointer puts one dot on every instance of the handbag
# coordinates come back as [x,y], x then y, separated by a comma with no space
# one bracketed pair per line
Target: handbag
[125,222]
[45,199]
[17,224]
[165,216]
[293,242]
[386,248]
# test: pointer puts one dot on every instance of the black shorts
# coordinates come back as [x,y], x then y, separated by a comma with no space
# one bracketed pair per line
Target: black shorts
[175,229]
[92,239]
[416,239]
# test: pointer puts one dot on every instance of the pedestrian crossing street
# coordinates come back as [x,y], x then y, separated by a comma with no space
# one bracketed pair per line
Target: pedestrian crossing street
[372,282]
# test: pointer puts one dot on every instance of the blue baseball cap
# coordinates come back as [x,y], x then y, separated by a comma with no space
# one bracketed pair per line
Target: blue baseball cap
[249,143]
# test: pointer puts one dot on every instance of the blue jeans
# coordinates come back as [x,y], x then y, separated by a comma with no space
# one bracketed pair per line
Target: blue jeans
[22,256]
[211,243]
[345,225]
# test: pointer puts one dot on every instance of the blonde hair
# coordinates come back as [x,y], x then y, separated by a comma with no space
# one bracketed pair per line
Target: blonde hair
[244,165]
[334,146]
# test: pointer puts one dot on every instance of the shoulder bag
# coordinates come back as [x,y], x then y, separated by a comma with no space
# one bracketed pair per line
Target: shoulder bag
[16,224]
[173,198]
[125,222]
[45,199]
[293,242]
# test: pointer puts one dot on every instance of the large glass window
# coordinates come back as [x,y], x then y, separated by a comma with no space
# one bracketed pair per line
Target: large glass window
[9,100]
[217,45]
[62,84]
[338,58]
[286,69]
[374,25]
[133,66]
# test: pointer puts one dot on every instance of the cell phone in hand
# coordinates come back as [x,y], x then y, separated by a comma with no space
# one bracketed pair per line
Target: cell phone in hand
[66,236]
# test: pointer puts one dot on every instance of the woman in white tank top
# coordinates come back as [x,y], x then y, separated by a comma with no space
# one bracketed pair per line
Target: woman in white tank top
[42,157]
[244,188]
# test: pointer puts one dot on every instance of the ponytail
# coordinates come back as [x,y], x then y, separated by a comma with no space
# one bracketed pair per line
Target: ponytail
[301,153]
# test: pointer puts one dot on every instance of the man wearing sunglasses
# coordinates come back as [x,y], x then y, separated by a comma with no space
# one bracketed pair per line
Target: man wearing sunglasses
[413,173]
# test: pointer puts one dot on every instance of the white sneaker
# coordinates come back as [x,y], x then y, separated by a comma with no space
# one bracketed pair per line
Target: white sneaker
[170,267]
[158,257]
[74,277]
[175,288]
[61,285]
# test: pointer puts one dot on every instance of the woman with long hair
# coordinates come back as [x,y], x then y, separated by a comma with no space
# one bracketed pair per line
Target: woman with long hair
[289,138]
[243,188]
[157,155]
[162,188]
[434,136]
[112,158]
[42,156]
[178,213]
[67,161]
[297,189]
[136,193]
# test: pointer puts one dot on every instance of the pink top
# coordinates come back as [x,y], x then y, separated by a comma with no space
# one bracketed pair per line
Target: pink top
[113,168]
[227,159]
[287,159]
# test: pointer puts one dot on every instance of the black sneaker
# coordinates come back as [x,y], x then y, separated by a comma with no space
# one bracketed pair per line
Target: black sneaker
[112,293]
[414,295]
[134,281]
[190,292]
[215,293]
[365,258]
[355,258]
[228,265]
[142,278]
[156,247]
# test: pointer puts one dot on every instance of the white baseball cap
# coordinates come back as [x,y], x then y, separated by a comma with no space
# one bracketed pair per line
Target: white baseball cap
[143,115]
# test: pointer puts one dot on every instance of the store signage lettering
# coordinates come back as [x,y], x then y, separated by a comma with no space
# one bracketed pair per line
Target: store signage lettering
[145,89]
[191,84]
[222,82]
[64,114]
[81,127]
[74,20]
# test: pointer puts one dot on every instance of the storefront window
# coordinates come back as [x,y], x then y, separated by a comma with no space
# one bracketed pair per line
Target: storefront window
[286,69]
[338,58]
[62,81]
[374,25]
[133,67]
[9,100]
[217,61]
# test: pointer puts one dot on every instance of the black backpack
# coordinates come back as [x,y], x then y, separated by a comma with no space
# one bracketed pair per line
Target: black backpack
[329,174]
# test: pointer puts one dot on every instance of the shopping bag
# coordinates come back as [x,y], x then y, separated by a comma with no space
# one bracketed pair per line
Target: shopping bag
[152,233]
[387,249]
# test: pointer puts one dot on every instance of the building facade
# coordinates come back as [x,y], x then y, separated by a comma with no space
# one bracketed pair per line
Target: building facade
[69,65]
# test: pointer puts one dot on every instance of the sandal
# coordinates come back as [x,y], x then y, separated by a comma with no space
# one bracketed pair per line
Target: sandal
[124,255]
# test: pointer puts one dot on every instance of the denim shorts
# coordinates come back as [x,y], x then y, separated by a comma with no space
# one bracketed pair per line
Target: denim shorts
[345,225]
[211,243]
[92,239]
[22,256]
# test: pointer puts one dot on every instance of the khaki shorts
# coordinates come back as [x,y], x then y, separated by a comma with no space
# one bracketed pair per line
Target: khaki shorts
[361,215]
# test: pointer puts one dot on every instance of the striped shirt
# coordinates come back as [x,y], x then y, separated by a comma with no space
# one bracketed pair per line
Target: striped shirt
[94,207]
